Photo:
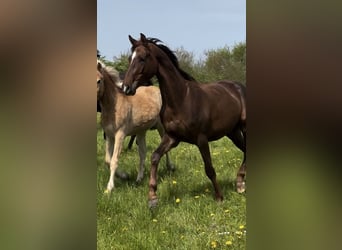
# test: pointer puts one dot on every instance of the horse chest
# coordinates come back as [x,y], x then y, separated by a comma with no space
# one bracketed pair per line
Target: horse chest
[172,125]
[176,128]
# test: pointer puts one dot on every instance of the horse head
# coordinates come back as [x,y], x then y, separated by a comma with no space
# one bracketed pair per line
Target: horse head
[143,65]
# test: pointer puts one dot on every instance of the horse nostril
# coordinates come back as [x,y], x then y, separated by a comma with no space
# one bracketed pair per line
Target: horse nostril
[125,89]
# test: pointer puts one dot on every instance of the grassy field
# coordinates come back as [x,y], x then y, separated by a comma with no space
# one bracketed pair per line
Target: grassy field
[187,217]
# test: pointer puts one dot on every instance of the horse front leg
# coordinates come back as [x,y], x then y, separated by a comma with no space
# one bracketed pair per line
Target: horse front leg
[170,166]
[166,144]
[119,138]
[141,139]
[203,146]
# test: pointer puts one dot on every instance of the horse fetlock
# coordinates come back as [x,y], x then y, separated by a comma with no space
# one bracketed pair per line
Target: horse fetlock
[108,190]
[140,177]
[219,197]
[171,167]
[240,186]
[152,203]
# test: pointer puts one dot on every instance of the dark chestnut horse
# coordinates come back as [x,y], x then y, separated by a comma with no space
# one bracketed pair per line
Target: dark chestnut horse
[191,112]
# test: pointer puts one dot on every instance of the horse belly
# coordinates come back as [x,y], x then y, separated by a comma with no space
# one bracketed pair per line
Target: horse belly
[220,129]
[141,127]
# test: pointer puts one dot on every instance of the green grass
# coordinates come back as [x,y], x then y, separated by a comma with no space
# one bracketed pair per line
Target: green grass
[124,220]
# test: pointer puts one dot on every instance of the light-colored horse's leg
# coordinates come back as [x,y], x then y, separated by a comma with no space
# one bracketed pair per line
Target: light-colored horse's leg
[109,149]
[119,138]
[141,139]
[161,132]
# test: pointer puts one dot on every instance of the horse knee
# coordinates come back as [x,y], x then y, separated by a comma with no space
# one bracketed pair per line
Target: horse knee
[155,159]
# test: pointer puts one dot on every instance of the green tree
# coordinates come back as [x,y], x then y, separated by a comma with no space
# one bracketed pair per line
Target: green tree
[218,64]
[121,62]
[223,63]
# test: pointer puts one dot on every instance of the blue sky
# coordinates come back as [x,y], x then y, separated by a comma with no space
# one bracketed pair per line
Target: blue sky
[195,25]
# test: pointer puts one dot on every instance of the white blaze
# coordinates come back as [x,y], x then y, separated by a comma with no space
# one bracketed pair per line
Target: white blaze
[133,56]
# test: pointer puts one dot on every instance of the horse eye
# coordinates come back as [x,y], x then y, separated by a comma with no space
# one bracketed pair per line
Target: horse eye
[98,81]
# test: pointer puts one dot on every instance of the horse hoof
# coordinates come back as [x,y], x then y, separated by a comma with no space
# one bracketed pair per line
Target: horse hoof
[122,175]
[241,187]
[219,198]
[171,168]
[153,203]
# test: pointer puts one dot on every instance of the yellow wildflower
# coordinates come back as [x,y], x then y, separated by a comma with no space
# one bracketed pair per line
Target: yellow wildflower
[197,196]
[174,182]
[213,244]
[155,220]
[228,242]
[242,227]
[178,200]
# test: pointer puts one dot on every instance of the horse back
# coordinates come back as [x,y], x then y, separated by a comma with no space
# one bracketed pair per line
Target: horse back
[221,105]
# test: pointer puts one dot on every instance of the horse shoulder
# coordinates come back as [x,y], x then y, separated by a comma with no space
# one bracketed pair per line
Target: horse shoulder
[145,105]
[149,97]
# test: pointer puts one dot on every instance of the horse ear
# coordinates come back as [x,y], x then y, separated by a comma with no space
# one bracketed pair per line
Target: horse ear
[143,38]
[132,40]
[99,66]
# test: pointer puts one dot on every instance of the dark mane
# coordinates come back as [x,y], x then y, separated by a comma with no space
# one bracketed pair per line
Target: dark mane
[172,57]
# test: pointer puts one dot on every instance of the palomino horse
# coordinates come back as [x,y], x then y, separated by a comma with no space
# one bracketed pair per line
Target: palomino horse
[98,109]
[191,112]
[126,115]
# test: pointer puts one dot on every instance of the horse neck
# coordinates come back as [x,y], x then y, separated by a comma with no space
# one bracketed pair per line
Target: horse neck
[108,99]
[172,85]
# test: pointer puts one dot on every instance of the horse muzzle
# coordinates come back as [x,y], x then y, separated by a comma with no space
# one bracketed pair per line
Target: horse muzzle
[130,90]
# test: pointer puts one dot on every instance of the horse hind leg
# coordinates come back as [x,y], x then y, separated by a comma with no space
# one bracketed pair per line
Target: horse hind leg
[131,140]
[141,139]
[238,137]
